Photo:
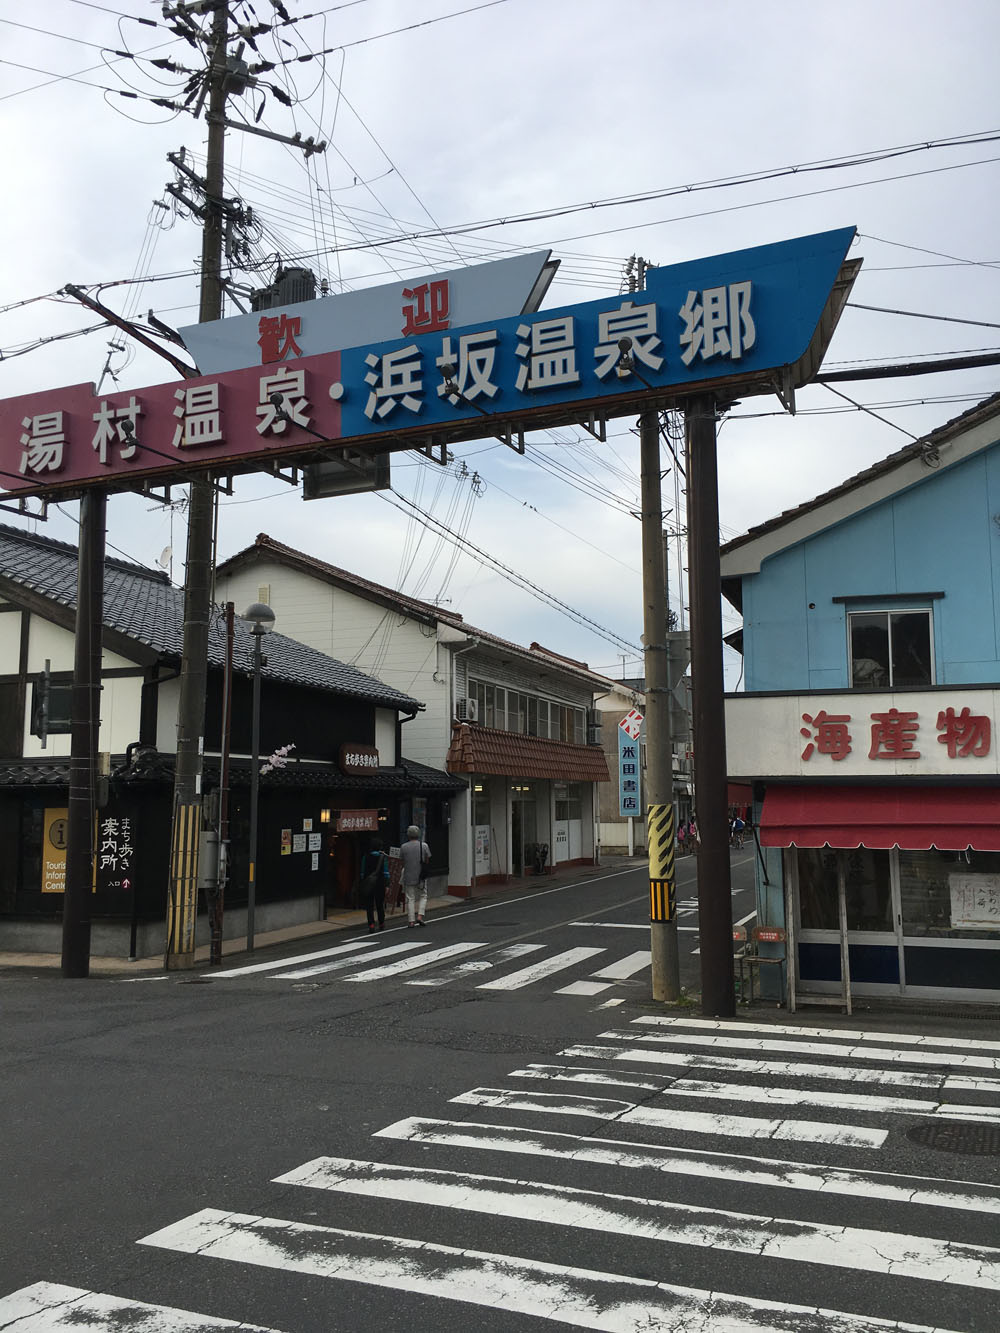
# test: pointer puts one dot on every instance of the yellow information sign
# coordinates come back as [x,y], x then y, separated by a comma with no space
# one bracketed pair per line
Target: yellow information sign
[54,851]
[660,841]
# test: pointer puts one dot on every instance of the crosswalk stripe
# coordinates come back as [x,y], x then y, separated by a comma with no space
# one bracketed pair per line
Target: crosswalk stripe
[745,1170]
[907,1078]
[786,1030]
[581,1298]
[411,964]
[858,1248]
[528,975]
[467,968]
[46,1307]
[277,963]
[604,979]
[343,964]
[675,1119]
[611,925]
[625,967]
[732,1042]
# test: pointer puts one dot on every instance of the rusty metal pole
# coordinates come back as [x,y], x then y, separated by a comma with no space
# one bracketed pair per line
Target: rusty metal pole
[715,903]
[659,750]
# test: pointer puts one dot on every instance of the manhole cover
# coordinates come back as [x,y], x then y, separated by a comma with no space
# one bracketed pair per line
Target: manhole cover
[976,1140]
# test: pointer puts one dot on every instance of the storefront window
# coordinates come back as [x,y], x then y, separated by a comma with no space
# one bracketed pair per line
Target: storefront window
[868,889]
[950,894]
[480,802]
[818,909]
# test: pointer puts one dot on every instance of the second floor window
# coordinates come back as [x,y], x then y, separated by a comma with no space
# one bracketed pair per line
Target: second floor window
[890,649]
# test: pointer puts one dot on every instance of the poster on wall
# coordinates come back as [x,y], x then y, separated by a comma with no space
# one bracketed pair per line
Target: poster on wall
[286,842]
[975,901]
[298,842]
[482,849]
[115,852]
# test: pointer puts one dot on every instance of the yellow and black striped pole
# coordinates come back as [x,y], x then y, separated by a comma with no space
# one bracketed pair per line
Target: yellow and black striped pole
[660,841]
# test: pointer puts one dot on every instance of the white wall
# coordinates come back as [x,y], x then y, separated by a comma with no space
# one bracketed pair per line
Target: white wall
[395,649]
[10,643]
[385,737]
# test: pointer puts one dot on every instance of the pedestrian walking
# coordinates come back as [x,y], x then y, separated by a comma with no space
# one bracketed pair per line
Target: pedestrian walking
[415,855]
[692,837]
[681,838]
[374,878]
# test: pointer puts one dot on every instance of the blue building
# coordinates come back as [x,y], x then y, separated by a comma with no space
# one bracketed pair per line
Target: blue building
[868,725]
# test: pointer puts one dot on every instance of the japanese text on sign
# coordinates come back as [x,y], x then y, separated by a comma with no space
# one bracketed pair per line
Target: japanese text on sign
[895,734]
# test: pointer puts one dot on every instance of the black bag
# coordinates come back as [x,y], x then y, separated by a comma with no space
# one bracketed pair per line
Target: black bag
[373,879]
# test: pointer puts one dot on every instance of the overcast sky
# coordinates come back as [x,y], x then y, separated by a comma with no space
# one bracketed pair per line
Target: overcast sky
[511,108]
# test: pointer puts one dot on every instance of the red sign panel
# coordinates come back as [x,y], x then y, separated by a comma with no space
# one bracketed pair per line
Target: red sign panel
[357,821]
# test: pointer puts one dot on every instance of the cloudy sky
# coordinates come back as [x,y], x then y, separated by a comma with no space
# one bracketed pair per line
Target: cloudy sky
[439,114]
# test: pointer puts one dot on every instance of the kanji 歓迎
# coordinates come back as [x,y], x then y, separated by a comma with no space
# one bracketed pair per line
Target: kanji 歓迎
[277,337]
[429,311]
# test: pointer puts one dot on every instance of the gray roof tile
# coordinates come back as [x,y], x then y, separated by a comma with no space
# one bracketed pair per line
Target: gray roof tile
[142,604]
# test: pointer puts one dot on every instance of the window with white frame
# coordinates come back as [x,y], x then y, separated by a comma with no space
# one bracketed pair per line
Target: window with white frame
[528,714]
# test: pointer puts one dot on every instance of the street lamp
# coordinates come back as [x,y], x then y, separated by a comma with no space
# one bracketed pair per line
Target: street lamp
[261,619]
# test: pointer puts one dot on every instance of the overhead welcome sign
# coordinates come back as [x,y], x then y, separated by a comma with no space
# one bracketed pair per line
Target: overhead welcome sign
[729,318]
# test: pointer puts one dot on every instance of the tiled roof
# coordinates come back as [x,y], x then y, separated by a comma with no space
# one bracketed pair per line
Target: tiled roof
[981,412]
[266,547]
[142,605]
[408,777]
[476,749]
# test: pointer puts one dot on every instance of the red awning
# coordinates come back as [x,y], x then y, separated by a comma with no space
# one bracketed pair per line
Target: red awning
[914,818]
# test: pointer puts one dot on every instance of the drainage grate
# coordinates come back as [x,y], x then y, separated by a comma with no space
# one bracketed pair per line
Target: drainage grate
[976,1140]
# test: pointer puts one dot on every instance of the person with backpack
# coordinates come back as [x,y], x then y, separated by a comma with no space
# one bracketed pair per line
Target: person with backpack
[374,878]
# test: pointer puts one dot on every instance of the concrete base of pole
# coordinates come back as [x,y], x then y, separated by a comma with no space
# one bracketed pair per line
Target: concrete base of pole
[665,960]
[179,962]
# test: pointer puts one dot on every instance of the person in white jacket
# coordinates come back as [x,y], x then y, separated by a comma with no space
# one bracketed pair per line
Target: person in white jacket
[415,854]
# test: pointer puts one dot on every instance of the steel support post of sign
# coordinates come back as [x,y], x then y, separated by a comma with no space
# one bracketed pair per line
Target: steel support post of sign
[85,724]
[182,892]
[659,750]
[715,903]
[258,634]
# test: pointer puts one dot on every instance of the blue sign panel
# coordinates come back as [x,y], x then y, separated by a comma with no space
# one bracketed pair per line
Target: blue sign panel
[703,320]
[629,776]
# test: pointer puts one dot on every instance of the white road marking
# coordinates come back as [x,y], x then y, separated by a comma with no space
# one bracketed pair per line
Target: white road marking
[732,1042]
[580,1298]
[410,964]
[864,1102]
[611,1004]
[342,964]
[770,1069]
[900,1038]
[676,1120]
[857,1248]
[276,963]
[46,1307]
[585,988]
[610,925]
[476,965]
[528,975]
[625,967]
[745,1170]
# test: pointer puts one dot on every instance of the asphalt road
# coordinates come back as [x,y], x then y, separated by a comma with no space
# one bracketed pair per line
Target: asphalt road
[487,1124]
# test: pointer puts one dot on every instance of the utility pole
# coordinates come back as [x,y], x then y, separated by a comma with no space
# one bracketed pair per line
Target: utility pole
[660,829]
[225,75]
[182,890]
[715,903]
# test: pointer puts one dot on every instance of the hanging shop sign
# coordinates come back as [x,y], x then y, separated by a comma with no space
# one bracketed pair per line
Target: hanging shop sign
[629,774]
[756,321]
[358,758]
[357,821]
